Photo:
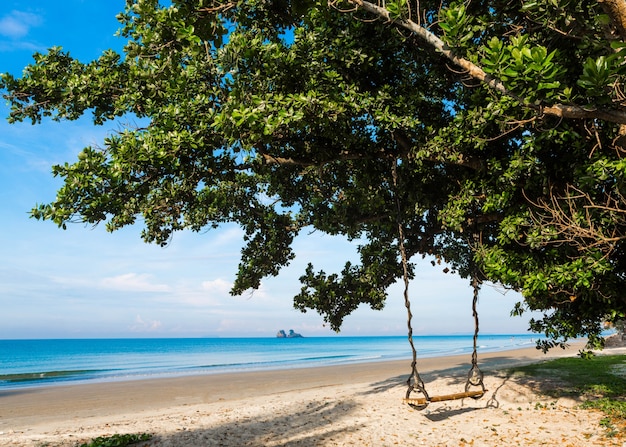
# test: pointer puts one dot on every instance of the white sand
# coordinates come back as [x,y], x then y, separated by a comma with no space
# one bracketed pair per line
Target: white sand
[359,405]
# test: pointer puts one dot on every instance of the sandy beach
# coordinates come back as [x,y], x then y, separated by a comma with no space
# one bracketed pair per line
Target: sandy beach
[359,405]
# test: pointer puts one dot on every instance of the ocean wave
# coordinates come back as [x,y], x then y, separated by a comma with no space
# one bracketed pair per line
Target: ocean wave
[45,376]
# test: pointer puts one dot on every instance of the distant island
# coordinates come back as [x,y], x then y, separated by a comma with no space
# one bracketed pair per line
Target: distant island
[291,334]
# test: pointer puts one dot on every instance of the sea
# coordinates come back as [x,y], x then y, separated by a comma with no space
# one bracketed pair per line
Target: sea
[36,363]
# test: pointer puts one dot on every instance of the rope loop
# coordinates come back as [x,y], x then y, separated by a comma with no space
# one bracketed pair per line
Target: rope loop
[475,379]
[416,385]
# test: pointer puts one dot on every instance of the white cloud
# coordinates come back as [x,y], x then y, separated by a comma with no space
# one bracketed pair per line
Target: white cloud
[217,287]
[13,45]
[17,24]
[211,294]
[230,235]
[145,326]
[133,282]
[234,326]
[127,282]
[259,296]
[220,288]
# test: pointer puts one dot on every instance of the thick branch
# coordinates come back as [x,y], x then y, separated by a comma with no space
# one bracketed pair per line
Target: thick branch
[289,161]
[616,9]
[404,144]
[559,110]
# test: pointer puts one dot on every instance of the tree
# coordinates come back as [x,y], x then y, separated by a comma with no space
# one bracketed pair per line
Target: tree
[562,60]
[492,133]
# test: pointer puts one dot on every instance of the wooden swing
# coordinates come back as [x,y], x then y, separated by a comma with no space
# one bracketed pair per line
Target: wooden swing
[474,376]
[415,382]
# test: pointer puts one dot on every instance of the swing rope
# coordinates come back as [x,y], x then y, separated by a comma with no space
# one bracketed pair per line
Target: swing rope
[415,382]
[475,375]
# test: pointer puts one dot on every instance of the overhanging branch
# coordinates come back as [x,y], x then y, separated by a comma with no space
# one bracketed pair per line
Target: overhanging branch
[289,161]
[473,70]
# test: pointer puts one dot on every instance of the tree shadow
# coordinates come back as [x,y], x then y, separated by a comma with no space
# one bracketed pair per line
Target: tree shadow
[307,424]
[385,385]
[544,385]
[456,375]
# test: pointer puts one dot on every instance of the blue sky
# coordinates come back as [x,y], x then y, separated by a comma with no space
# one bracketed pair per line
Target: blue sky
[85,282]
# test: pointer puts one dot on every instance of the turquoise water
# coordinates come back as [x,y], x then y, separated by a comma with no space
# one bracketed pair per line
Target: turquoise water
[27,363]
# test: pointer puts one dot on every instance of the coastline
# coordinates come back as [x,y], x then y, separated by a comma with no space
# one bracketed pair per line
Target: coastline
[249,408]
[35,363]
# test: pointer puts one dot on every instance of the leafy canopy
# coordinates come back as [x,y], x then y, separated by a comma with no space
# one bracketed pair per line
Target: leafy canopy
[504,122]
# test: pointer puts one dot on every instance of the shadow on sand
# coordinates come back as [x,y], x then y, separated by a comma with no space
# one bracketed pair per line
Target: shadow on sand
[310,423]
[293,429]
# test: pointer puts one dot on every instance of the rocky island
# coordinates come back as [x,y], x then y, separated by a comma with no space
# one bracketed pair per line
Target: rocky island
[291,334]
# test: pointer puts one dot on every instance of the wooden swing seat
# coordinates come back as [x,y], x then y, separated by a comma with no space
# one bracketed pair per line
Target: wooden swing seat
[455,396]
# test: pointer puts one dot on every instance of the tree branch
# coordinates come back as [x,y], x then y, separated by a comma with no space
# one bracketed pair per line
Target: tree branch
[616,9]
[289,161]
[404,143]
[474,163]
[558,110]
[571,216]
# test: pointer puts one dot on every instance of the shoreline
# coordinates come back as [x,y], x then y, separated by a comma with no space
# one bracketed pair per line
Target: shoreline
[23,403]
[99,372]
[353,404]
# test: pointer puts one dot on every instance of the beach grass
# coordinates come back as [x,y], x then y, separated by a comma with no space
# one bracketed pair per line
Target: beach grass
[598,383]
[117,440]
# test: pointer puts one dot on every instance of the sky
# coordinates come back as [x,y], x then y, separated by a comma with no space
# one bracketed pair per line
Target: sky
[86,283]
